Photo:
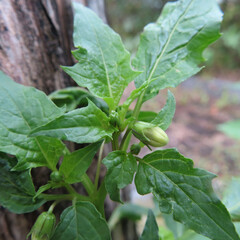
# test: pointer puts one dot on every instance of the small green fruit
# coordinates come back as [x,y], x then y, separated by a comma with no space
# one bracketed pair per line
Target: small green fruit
[43,227]
[56,176]
[150,134]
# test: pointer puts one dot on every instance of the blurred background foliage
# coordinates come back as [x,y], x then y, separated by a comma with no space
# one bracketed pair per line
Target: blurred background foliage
[225,54]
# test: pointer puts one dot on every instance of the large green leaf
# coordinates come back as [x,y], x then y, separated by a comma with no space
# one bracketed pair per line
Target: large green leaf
[121,168]
[147,116]
[80,222]
[84,125]
[231,128]
[16,188]
[232,198]
[103,62]
[165,116]
[171,49]
[73,97]
[186,191]
[23,109]
[150,230]
[74,165]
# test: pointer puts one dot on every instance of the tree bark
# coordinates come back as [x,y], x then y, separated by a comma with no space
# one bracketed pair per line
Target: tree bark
[35,39]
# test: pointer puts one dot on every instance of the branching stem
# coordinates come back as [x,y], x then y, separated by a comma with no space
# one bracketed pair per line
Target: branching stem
[127,136]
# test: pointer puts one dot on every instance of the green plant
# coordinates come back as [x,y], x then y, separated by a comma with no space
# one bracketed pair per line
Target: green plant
[33,127]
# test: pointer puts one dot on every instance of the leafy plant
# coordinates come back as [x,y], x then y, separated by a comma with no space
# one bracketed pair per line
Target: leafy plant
[33,127]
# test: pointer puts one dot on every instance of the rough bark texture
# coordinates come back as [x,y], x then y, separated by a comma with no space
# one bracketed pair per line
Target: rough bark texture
[35,38]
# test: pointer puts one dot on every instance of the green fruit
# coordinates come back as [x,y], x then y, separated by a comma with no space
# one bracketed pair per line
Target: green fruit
[56,176]
[43,227]
[150,134]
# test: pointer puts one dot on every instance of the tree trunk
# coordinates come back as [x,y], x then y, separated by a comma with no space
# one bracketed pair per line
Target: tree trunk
[35,39]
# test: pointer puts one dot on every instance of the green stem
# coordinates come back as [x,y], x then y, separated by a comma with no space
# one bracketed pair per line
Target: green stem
[99,165]
[62,197]
[126,139]
[50,210]
[127,136]
[138,106]
[113,146]
[54,197]
[115,139]
[100,198]
[88,185]
[70,189]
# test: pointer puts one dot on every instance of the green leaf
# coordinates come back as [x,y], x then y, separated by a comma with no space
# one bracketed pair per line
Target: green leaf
[121,168]
[232,198]
[42,189]
[144,116]
[84,125]
[16,188]
[186,191]
[231,128]
[103,62]
[74,97]
[151,228]
[165,116]
[23,109]
[74,165]
[147,116]
[134,94]
[171,49]
[80,222]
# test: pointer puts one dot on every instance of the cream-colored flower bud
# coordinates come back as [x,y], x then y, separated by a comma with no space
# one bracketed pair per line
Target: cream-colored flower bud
[150,134]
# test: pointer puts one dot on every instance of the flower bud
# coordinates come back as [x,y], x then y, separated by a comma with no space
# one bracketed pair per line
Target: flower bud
[114,118]
[150,134]
[43,227]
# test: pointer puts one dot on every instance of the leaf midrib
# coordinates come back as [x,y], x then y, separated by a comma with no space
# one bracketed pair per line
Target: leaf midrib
[167,43]
[25,120]
[77,163]
[103,58]
[86,219]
